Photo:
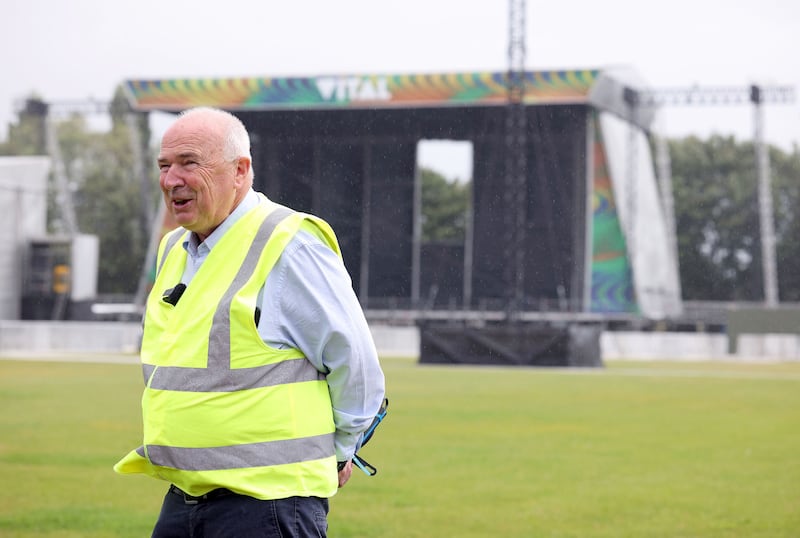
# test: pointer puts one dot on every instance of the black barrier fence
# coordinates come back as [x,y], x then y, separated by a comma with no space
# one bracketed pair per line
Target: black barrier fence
[511,344]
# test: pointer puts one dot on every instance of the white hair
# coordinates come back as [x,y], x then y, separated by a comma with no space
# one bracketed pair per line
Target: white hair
[237,139]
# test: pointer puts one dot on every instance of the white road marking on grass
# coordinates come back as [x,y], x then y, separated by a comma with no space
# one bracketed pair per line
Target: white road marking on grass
[632,372]
[718,374]
[104,358]
[133,358]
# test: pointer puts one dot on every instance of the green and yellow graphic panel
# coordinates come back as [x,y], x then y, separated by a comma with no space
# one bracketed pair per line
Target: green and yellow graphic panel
[612,289]
[358,91]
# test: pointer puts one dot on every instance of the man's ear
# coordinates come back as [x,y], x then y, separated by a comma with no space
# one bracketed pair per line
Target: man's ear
[242,171]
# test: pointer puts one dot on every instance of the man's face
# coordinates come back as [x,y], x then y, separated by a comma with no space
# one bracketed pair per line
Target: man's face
[200,186]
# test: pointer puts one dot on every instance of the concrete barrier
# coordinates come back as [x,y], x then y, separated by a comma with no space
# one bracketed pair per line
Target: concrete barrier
[663,345]
[759,320]
[75,337]
[69,336]
[27,337]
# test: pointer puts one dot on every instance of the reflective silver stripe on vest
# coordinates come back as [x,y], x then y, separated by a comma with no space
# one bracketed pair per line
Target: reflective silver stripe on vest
[242,456]
[227,380]
[218,375]
[219,338]
[171,242]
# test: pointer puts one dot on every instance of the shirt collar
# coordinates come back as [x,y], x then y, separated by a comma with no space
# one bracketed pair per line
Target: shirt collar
[193,245]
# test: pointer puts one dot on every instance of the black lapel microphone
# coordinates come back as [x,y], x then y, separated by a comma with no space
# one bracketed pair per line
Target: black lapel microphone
[173,295]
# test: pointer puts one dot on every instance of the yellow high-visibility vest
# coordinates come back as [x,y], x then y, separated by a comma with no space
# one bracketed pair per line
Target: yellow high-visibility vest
[220,407]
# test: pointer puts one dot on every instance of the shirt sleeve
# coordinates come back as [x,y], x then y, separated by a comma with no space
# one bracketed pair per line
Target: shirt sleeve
[309,304]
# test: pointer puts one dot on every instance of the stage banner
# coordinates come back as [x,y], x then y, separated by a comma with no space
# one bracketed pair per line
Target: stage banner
[357,91]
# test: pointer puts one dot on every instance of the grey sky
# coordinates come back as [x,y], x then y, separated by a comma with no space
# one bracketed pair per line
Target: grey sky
[82,49]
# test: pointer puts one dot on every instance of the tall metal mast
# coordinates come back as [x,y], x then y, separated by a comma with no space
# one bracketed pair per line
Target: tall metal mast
[756,95]
[66,207]
[516,162]
[765,210]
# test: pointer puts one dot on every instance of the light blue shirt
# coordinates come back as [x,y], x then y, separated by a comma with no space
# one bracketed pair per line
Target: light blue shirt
[308,303]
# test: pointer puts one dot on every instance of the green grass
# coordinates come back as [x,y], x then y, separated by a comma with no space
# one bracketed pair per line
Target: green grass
[638,449]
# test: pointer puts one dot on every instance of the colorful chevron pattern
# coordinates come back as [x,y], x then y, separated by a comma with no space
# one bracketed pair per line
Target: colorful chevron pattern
[357,91]
[612,278]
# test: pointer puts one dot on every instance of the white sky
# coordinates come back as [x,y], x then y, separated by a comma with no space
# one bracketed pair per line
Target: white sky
[81,49]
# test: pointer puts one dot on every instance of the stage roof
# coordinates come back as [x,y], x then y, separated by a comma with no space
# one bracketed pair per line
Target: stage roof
[358,91]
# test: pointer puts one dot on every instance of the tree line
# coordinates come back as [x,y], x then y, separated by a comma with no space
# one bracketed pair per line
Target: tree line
[714,188]
[717,219]
[106,194]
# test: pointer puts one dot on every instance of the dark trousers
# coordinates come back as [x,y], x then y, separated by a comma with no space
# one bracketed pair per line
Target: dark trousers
[224,514]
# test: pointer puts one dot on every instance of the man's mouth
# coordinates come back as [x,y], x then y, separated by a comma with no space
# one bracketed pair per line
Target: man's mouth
[179,201]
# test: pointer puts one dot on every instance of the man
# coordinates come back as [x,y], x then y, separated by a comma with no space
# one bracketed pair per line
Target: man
[260,371]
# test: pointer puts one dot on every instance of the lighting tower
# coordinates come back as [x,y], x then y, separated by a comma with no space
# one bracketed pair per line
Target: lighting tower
[516,164]
[757,96]
[765,210]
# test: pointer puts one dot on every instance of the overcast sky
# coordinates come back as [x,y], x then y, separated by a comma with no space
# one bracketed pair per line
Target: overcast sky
[81,49]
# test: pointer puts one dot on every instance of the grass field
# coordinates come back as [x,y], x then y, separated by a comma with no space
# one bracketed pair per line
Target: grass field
[632,450]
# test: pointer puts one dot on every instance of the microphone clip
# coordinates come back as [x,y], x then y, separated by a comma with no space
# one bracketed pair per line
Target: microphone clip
[173,295]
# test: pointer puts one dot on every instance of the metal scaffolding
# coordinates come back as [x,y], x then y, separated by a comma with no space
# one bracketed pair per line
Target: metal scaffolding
[721,95]
[516,162]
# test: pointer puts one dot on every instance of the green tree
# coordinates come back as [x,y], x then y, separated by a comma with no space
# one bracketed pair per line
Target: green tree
[717,219]
[108,196]
[444,206]
[27,136]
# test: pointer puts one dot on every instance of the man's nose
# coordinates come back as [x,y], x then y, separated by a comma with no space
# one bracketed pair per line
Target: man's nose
[171,178]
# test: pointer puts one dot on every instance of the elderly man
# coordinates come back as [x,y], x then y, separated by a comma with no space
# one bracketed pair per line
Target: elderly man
[260,370]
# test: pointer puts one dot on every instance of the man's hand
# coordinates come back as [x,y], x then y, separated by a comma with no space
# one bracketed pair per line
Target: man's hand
[344,474]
